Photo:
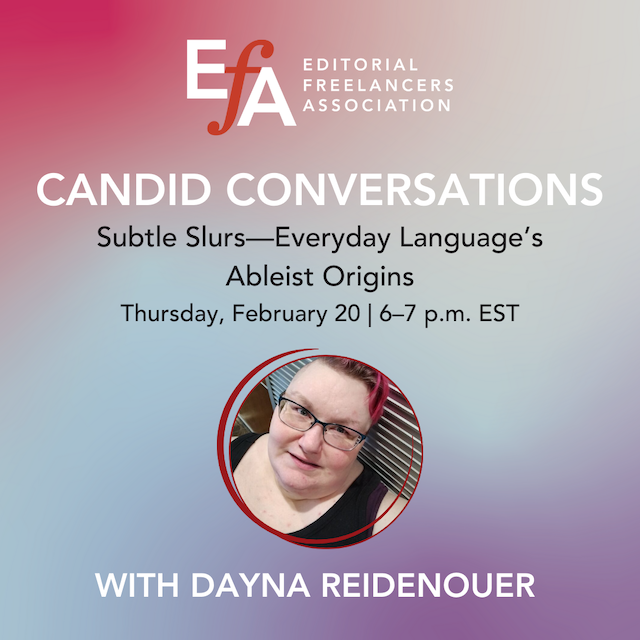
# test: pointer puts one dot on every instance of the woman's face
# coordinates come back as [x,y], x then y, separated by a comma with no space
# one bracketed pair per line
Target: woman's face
[304,464]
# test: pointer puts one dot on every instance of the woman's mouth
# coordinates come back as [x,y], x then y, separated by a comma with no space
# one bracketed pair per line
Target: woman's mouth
[302,463]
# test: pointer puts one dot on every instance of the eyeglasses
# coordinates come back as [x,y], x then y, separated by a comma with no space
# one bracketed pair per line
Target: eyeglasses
[301,419]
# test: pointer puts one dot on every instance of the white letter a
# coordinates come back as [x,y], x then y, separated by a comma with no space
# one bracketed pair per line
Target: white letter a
[279,105]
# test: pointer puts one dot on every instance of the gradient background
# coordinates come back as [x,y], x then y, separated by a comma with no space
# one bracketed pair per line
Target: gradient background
[107,440]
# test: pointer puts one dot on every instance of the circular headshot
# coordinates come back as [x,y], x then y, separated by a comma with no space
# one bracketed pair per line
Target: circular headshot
[325,452]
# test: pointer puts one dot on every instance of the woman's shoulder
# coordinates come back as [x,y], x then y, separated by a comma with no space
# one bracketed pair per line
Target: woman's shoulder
[391,506]
[241,445]
[246,437]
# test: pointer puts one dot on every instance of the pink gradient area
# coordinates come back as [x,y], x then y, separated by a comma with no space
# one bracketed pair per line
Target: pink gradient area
[101,87]
[104,84]
[46,22]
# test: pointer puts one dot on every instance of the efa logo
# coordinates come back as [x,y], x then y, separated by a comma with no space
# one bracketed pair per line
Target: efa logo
[266,78]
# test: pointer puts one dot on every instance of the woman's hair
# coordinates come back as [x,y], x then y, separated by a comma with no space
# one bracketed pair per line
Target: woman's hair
[376,383]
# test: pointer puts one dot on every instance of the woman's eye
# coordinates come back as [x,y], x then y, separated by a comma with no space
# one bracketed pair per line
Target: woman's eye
[340,429]
[302,411]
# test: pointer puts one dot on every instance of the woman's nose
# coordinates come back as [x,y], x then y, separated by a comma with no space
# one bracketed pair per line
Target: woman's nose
[313,439]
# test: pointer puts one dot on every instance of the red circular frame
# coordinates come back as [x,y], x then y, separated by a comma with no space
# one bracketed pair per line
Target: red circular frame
[230,483]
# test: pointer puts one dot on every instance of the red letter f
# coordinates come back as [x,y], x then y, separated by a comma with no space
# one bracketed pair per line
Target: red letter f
[240,70]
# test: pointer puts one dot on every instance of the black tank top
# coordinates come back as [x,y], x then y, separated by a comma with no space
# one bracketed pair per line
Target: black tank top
[354,510]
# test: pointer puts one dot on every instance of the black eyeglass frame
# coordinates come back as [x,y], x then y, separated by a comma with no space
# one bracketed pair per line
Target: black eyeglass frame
[361,436]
